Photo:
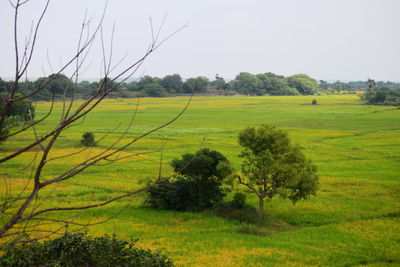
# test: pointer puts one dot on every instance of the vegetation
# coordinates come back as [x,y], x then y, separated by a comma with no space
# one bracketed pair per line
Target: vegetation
[82,250]
[197,185]
[244,83]
[381,95]
[273,166]
[353,220]
[21,112]
[88,140]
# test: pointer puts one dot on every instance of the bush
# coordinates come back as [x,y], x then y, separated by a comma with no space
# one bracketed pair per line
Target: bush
[183,193]
[81,250]
[314,102]
[204,163]
[197,184]
[88,140]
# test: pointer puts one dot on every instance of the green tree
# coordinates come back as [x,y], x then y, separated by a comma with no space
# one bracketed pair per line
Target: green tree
[219,83]
[273,166]
[145,81]
[248,84]
[172,83]
[273,84]
[59,84]
[303,83]
[88,140]
[196,85]
[323,84]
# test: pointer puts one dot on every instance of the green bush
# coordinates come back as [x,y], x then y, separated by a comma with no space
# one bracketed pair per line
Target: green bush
[204,163]
[314,102]
[184,193]
[81,250]
[196,185]
[88,140]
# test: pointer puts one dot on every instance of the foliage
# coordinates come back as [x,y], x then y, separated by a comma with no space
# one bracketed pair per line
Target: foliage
[21,111]
[154,90]
[381,95]
[203,164]
[314,102]
[273,84]
[172,83]
[88,140]
[303,83]
[197,185]
[81,250]
[273,166]
[248,84]
[58,85]
[196,85]
[184,193]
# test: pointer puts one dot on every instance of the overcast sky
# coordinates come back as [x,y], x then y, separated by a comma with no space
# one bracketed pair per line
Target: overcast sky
[327,39]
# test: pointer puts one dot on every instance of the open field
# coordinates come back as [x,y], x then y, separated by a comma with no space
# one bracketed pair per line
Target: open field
[353,220]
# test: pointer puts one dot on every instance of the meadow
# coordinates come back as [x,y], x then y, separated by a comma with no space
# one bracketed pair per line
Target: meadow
[353,220]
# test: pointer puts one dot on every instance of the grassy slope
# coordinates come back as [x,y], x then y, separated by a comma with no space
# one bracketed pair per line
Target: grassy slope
[353,220]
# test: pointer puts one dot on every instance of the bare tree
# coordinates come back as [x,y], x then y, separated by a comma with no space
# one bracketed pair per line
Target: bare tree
[21,211]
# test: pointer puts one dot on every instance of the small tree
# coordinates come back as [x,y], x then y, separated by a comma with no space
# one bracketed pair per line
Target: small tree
[88,140]
[314,102]
[273,166]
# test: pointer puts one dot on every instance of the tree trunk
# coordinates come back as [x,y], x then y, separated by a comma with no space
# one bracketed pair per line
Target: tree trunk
[261,206]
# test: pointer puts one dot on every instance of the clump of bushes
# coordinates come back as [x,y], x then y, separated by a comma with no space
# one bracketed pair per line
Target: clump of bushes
[314,102]
[183,193]
[81,250]
[196,185]
[88,140]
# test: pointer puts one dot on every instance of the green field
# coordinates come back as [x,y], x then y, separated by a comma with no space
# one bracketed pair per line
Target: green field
[353,220]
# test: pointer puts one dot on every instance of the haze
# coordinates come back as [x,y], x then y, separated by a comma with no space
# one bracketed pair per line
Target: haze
[331,40]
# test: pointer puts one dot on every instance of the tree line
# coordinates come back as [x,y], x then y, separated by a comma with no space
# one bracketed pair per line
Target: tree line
[340,86]
[381,94]
[244,84]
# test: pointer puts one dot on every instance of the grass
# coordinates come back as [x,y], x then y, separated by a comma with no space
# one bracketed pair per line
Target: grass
[354,219]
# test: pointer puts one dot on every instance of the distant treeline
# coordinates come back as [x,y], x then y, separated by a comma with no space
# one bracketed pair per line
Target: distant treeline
[382,94]
[244,84]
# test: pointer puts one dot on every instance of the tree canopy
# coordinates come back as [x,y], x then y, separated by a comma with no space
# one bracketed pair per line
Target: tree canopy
[273,166]
[303,83]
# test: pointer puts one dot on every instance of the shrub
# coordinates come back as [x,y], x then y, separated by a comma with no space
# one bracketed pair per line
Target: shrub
[81,250]
[204,163]
[197,184]
[88,140]
[314,102]
[184,193]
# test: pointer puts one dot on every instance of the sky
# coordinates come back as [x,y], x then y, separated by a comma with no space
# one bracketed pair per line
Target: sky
[326,39]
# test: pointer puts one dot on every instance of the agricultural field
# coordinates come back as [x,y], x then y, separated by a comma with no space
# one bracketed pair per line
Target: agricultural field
[353,220]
